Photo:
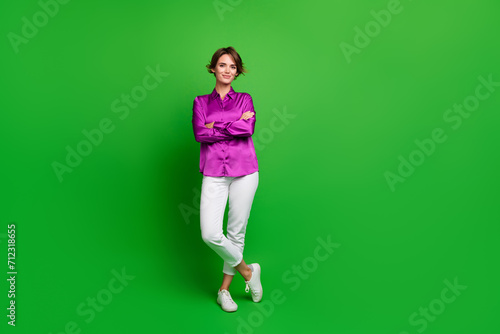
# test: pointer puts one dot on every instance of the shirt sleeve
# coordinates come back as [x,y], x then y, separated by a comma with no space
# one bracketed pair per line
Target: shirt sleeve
[202,134]
[241,127]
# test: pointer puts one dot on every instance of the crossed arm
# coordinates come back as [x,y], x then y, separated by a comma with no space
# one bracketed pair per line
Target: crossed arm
[218,131]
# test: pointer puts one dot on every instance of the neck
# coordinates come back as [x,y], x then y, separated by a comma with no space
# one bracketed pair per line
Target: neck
[222,89]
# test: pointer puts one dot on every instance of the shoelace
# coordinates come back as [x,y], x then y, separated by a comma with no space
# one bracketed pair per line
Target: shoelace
[226,296]
[248,284]
[248,288]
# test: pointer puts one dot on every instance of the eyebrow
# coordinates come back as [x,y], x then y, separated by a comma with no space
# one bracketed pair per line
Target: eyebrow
[225,64]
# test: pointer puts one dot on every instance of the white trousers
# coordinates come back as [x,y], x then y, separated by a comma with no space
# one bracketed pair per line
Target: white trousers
[214,194]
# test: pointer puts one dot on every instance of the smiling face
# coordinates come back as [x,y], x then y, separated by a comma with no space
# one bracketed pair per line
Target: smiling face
[225,70]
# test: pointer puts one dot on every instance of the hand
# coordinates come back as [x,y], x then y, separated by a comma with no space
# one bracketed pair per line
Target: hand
[247,115]
[210,125]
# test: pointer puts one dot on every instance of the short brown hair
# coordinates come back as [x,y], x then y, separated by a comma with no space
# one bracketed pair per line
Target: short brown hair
[236,57]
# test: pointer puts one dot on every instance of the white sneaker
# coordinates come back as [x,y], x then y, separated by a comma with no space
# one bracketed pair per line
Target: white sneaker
[254,283]
[226,302]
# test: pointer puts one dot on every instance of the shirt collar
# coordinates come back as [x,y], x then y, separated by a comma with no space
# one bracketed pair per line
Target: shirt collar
[215,95]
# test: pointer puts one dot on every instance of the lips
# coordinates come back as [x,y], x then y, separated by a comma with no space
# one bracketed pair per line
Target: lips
[226,76]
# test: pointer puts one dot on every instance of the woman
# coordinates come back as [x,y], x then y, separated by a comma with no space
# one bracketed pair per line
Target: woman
[223,123]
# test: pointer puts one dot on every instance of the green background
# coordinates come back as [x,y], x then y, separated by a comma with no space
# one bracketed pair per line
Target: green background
[125,204]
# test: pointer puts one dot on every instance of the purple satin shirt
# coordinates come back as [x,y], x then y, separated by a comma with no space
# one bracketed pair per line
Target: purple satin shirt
[227,149]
